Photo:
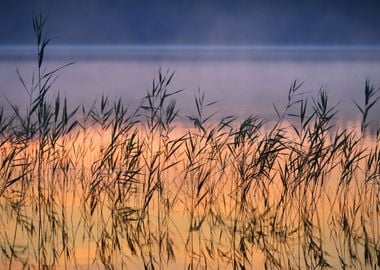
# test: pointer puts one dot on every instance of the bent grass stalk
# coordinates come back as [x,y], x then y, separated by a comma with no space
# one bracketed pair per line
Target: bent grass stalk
[108,184]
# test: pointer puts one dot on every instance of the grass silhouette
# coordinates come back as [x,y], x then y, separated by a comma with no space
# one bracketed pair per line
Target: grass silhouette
[107,187]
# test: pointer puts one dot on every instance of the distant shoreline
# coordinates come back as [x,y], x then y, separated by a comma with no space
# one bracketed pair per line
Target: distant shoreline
[172,52]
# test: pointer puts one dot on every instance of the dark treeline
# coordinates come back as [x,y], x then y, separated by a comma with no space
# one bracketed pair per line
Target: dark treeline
[196,22]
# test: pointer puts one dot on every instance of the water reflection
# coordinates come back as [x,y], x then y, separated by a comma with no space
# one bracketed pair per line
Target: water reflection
[108,187]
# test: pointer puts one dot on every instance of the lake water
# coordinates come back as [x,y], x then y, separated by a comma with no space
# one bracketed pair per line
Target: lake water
[243,80]
[119,194]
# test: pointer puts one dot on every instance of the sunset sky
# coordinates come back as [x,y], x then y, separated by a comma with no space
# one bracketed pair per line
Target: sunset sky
[194,22]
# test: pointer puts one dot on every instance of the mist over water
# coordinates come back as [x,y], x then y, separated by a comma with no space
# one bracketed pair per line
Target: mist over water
[243,79]
[189,134]
[105,186]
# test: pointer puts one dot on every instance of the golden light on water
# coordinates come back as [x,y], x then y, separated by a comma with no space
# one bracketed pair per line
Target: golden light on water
[144,186]
[194,197]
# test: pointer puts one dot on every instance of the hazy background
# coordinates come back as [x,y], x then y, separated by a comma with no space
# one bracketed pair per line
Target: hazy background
[270,22]
[244,54]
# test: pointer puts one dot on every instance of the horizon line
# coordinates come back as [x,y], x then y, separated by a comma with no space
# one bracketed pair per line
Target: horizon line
[194,52]
[185,47]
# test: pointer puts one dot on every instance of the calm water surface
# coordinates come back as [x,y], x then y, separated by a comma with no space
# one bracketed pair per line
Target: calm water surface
[243,79]
[117,194]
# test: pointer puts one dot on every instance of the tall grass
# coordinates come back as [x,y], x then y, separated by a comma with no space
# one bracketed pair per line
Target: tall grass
[109,187]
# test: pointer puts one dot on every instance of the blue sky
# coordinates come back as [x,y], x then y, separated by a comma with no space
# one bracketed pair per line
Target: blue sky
[220,22]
